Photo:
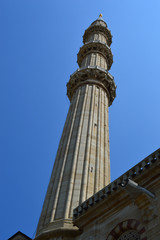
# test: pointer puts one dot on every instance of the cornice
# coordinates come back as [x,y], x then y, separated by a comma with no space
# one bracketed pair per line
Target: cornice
[92,75]
[98,47]
[142,167]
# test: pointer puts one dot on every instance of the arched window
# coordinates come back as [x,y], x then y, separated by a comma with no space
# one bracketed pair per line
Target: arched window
[130,235]
[130,229]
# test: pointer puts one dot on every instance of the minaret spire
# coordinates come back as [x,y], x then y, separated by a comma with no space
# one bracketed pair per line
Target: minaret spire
[82,164]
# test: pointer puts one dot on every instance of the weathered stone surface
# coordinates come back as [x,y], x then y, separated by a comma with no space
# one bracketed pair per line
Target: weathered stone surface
[114,211]
[80,178]
[82,165]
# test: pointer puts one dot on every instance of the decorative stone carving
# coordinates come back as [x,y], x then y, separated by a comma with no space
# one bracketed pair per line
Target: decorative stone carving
[95,76]
[97,47]
[98,28]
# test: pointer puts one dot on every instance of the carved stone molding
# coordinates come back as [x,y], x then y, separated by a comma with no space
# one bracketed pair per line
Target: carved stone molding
[95,29]
[137,170]
[97,47]
[95,76]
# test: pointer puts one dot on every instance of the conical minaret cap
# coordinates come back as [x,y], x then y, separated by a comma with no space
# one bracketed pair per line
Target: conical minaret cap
[99,21]
[99,25]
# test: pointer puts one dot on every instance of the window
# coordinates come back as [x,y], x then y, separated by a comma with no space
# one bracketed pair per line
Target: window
[130,229]
[130,235]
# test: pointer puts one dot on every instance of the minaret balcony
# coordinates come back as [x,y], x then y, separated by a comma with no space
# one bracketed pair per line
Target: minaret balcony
[97,29]
[95,47]
[92,75]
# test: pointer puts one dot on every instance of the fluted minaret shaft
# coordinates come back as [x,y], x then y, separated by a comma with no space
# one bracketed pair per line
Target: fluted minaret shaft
[82,164]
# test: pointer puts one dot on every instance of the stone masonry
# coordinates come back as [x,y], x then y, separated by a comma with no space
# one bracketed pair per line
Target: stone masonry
[82,164]
[81,203]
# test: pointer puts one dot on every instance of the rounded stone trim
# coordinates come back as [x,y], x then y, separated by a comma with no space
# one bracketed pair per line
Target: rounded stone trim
[95,29]
[61,232]
[128,226]
[97,47]
[92,76]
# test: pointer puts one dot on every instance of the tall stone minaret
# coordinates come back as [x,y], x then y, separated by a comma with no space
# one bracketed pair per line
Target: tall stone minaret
[82,164]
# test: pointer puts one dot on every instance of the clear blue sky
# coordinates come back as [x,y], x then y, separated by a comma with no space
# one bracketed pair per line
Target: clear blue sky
[38,51]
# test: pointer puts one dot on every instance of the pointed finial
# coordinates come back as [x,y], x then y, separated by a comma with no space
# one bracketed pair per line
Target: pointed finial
[100,15]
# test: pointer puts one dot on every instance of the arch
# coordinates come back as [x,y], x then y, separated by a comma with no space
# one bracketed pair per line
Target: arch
[125,226]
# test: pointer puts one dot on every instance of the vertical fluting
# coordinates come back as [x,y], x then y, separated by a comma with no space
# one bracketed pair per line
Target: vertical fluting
[97,37]
[66,180]
[94,59]
[98,106]
[77,161]
[91,170]
[64,154]
[49,205]
[83,193]
[82,164]
[102,141]
[106,143]
[79,156]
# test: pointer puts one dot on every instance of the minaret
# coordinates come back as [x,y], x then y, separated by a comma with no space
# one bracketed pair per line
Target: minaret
[82,164]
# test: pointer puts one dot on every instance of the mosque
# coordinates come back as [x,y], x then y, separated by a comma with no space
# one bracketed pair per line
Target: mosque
[81,203]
